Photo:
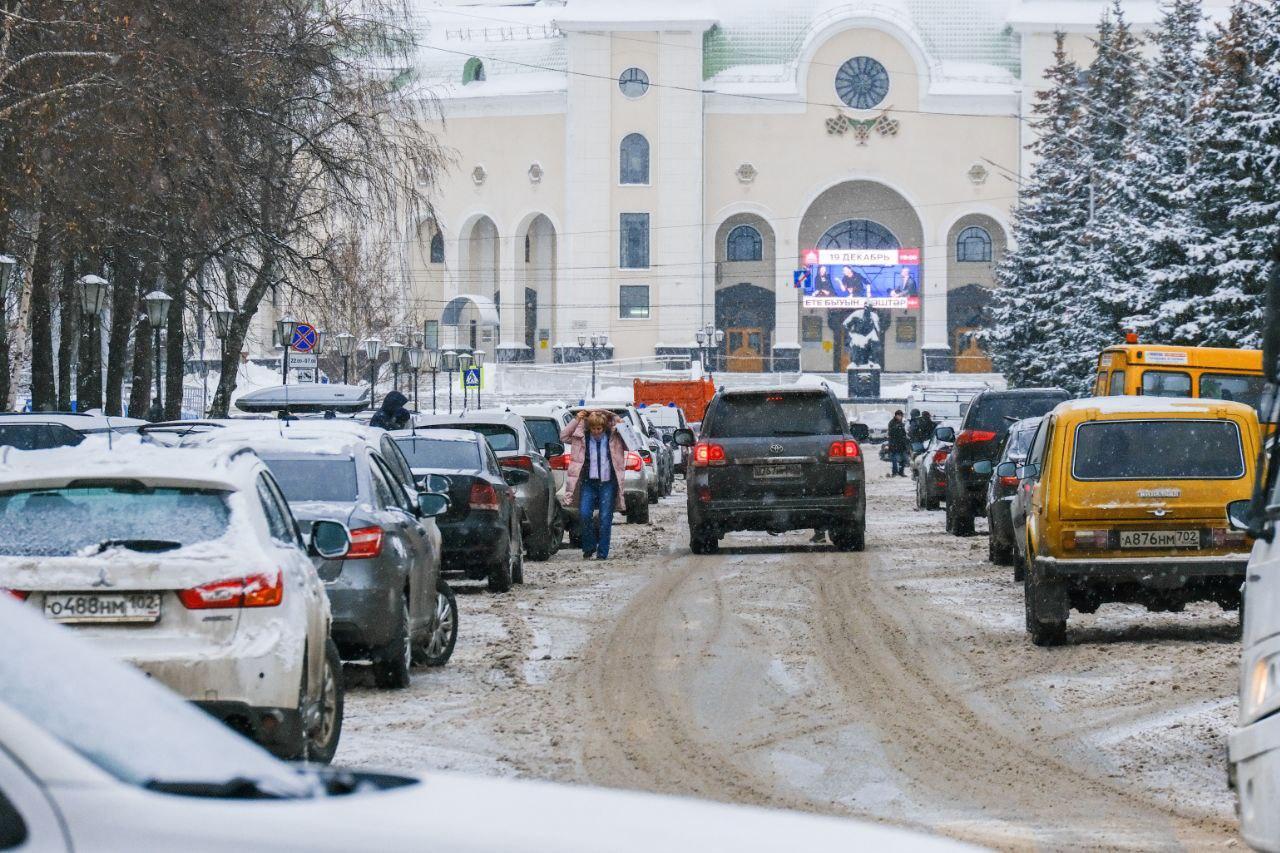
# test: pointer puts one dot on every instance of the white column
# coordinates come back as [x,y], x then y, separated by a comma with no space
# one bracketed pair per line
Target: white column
[933,310]
[786,311]
[510,253]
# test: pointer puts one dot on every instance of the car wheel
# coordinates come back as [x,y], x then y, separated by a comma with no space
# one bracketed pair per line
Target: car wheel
[1019,567]
[540,545]
[1000,555]
[703,541]
[502,574]
[517,557]
[392,662]
[961,519]
[951,518]
[322,737]
[1044,628]
[557,530]
[439,646]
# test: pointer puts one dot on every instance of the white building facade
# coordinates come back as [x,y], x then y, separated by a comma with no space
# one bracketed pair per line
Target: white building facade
[640,170]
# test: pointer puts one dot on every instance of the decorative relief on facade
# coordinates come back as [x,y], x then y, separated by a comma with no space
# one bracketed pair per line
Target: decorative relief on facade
[746,173]
[978,174]
[478,175]
[535,173]
[883,124]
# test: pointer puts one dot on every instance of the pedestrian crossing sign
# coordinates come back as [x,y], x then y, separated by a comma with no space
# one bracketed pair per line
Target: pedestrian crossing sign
[471,377]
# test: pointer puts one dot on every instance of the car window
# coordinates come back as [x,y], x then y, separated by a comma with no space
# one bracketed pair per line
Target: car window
[764,415]
[1158,450]
[452,453]
[392,455]
[57,522]
[1018,442]
[397,490]
[1241,389]
[501,437]
[1166,383]
[1036,454]
[317,478]
[491,461]
[38,436]
[381,488]
[1117,384]
[278,523]
[997,413]
[544,431]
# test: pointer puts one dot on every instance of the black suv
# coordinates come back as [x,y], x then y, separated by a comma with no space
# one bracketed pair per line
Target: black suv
[774,459]
[986,423]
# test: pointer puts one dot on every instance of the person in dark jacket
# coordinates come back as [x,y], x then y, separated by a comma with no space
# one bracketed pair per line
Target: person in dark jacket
[392,414]
[899,445]
[925,426]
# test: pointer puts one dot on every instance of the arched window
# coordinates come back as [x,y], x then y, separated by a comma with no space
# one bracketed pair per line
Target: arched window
[633,159]
[974,245]
[473,71]
[437,248]
[744,244]
[858,234]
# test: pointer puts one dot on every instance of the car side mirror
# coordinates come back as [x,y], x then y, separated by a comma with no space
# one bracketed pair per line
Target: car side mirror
[860,432]
[944,433]
[432,504]
[685,438]
[329,539]
[1005,469]
[1030,471]
[983,468]
[438,483]
[515,476]
[553,448]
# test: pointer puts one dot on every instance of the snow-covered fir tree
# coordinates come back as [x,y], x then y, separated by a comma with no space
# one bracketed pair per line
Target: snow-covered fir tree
[1031,322]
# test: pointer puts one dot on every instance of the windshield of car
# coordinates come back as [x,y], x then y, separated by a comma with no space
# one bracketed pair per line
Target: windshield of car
[451,453]
[38,436]
[545,431]
[1019,442]
[763,415]
[1165,383]
[997,414]
[501,438]
[59,522]
[120,720]
[331,478]
[1241,389]
[1158,450]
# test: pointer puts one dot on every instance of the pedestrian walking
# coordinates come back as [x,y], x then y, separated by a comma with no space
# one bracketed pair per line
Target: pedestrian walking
[392,414]
[899,445]
[593,482]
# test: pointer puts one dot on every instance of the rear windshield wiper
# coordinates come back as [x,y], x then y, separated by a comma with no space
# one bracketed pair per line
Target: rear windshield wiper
[145,545]
[236,788]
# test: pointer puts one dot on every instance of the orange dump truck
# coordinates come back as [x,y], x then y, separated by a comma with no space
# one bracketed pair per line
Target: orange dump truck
[691,395]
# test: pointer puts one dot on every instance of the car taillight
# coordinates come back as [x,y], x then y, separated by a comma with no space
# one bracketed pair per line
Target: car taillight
[633,461]
[20,594]
[975,436]
[366,542]
[483,496]
[705,453]
[1095,540]
[1009,482]
[517,462]
[843,451]
[250,591]
[561,462]
[1223,537]
[940,457]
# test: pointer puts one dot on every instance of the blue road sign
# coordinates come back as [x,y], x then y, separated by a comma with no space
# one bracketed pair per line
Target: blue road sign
[304,337]
[471,377]
[800,278]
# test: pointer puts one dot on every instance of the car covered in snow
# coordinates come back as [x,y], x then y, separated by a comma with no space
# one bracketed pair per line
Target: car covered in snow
[187,563]
[1128,499]
[95,756]
[44,430]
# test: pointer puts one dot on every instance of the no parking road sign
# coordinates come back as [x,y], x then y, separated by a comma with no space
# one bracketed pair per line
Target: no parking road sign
[471,377]
[304,338]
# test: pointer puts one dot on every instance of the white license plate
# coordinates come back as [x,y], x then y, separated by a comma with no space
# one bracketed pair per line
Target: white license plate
[1159,538]
[102,606]
[776,472]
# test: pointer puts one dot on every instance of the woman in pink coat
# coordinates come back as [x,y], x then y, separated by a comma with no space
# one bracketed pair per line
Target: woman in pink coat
[597,462]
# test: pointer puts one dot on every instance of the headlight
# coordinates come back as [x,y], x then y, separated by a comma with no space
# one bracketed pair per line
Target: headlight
[1260,692]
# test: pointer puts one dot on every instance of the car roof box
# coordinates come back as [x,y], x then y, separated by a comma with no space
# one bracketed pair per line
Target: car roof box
[304,398]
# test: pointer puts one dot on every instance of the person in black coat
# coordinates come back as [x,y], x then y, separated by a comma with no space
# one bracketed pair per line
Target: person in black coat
[899,445]
[391,414]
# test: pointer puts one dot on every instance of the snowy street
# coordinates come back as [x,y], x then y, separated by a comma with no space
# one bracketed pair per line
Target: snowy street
[896,684]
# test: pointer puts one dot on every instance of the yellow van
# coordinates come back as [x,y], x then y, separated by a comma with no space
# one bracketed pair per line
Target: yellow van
[1172,371]
[1126,500]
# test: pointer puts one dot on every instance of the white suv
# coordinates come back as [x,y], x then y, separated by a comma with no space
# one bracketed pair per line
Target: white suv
[188,564]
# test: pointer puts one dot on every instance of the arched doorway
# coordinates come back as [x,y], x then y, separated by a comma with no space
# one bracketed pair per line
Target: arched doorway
[966,318]
[745,312]
[477,274]
[536,279]
[857,214]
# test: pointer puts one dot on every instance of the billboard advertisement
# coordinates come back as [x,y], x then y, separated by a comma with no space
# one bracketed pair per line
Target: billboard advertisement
[855,278]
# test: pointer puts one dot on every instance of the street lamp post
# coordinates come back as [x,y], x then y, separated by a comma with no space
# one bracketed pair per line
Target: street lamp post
[346,344]
[285,327]
[93,293]
[598,343]
[478,355]
[709,339]
[464,362]
[373,349]
[157,304]
[318,350]
[395,354]
[449,361]
[433,364]
[415,364]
